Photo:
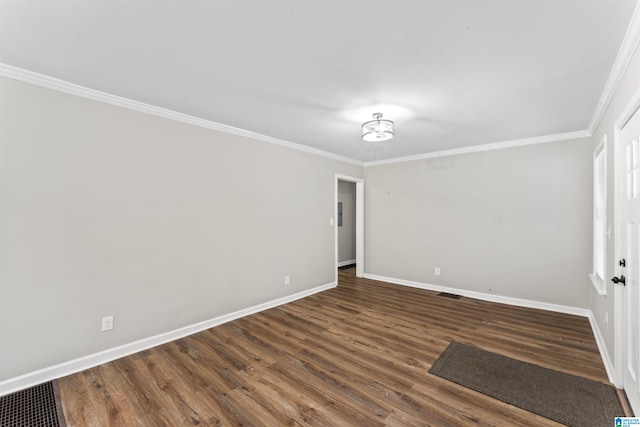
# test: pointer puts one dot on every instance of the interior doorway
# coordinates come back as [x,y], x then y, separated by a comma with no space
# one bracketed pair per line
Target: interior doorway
[352,233]
[346,221]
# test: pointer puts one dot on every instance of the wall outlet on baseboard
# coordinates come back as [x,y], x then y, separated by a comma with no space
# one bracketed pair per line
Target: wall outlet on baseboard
[287,280]
[107,323]
[437,271]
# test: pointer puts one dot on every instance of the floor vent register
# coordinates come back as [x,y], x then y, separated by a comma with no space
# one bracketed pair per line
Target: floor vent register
[34,407]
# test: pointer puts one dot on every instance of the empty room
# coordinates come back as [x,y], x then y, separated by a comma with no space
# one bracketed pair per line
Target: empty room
[409,213]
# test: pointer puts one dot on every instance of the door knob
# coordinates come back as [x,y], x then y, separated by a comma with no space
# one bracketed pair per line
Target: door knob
[618,280]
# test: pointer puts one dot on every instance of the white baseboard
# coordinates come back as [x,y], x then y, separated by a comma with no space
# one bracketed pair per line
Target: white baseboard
[602,348]
[486,297]
[348,262]
[21,382]
[67,368]
[604,354]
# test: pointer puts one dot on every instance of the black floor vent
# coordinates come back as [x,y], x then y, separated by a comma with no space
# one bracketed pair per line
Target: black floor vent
[448,295]
[33,407]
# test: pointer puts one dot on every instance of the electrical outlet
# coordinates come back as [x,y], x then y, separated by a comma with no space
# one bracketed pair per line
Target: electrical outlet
[287,280]
[437,271]
[107,323]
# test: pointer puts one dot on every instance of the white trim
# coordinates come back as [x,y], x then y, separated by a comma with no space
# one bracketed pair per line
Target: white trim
[598,284]
[485,297]
[67,368]
[604,354]
[625,53]
[347,262]
[359,228]
[627,113]
[485,147]
[84,92]
[618,161]
[95,95]
[602,348]
[618,319]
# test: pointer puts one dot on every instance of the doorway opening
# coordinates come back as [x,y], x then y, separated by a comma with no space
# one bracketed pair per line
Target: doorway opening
[346,223]
[349,224]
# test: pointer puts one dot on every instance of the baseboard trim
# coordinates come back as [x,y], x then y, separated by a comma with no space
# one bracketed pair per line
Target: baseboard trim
[21,382]
[348,262]
[602,348]
[486,297]
[584,312]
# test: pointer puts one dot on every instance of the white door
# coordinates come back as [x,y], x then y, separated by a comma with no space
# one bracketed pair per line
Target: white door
[629,265]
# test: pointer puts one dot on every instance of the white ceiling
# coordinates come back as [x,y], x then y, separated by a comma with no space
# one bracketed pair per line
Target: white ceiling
[450,73]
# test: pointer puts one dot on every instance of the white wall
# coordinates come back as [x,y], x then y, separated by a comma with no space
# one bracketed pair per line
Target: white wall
[107,211]
[347,233]
[603,306]
[512,222]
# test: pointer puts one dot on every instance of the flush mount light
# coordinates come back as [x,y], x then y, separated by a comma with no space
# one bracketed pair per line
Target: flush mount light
[377,129]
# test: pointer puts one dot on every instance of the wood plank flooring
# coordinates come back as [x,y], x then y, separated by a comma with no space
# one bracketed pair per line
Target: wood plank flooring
[356,355]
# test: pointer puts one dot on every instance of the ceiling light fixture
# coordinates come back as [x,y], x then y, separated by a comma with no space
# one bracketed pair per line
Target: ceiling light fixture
[377,129]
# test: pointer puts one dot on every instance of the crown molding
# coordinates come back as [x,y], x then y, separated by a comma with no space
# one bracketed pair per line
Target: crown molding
[486,147]
[48,82]
[84,92]
[625,53]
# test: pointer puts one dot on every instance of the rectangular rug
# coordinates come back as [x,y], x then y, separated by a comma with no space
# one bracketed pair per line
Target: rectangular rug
[565,398]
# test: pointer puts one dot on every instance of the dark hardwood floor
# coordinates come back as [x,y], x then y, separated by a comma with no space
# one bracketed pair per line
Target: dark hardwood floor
[354,355]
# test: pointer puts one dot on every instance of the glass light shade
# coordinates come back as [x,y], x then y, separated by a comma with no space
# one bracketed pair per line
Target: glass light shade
[378,129]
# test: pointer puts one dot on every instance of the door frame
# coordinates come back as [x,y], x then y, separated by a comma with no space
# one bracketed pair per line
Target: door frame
[359,222]
[627,113]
